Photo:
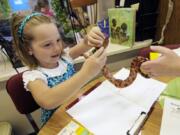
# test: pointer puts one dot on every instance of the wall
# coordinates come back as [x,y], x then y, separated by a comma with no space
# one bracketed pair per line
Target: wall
[8,111]
[172,34]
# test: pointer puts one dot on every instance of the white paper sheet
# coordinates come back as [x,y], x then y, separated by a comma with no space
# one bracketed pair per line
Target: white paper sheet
[108,110]
[171,117]
[142,89]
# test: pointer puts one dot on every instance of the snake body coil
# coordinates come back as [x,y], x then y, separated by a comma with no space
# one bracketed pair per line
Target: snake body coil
[134,69]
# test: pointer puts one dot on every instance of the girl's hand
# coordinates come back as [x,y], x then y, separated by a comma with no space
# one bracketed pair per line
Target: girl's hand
[94,63]
[168,64]
[95,37]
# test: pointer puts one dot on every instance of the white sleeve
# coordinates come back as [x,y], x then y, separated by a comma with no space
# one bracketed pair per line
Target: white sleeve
[31,76]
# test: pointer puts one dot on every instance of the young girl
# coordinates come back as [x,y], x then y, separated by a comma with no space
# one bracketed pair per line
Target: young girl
[43,6]
[52,78]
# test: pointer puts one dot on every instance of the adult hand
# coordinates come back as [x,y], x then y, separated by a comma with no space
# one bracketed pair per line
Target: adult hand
[168,64]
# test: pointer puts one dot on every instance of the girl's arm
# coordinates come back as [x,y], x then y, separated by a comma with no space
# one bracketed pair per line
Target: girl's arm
[93,39]
[50,98]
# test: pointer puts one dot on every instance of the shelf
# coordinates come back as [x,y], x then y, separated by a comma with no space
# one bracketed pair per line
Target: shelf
[117,49]
[7,71]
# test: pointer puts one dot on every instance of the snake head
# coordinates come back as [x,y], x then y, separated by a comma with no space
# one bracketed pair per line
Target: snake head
[141,60]
[106,42]
[136,64]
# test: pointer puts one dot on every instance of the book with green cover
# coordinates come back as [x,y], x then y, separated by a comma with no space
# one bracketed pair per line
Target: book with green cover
[122,26]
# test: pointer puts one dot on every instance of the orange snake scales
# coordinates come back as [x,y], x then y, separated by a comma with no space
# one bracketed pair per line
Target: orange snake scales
[134,69]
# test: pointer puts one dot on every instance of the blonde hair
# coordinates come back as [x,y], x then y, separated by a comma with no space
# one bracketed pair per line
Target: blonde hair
[22,44]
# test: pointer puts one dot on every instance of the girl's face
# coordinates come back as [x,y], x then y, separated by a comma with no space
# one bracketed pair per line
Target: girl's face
[47,45]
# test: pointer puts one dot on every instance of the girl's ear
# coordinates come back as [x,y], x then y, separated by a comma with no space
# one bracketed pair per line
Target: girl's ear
[30,51]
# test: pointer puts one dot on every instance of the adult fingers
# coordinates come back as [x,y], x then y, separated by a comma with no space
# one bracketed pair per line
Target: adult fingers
[162,50]
[146,66]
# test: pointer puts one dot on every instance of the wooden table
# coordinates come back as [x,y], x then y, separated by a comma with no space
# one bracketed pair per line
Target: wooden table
[60,118]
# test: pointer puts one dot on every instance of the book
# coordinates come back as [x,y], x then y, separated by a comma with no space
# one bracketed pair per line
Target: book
[74,128]
[122,26]
[171,115]
[108,110]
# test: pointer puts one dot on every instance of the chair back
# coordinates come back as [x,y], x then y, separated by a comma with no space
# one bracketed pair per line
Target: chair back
[22,99]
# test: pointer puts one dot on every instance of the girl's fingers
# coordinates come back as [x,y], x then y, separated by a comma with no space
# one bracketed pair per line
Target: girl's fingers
[94,45]
[103,55]
[97,30]
[100,34]
[92,41]
[97,35]
[98,52]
